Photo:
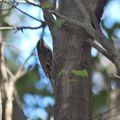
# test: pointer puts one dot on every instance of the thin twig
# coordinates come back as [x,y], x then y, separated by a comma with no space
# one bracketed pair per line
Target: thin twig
[17,98]
[110,109]
[115,76]
[18,1]
[111,116]
[21,68]
[19,27]
[14,47]
[6,9]
[14,6]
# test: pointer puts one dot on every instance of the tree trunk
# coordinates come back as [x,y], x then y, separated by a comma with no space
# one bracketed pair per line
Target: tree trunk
[0,76]
[71,52]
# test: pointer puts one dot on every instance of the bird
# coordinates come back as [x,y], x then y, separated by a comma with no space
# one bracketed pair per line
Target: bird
[45,56]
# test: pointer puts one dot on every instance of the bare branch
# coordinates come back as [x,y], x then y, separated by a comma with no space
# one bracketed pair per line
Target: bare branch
[8,88]
[31,2]
[68,20]
[2,61]
[20,27]
[107,111]
[82,9]
[99,48]
[95,34]
[15,48]
[6,9]
[19,1]
[14,6]
[115,76]
[21,70]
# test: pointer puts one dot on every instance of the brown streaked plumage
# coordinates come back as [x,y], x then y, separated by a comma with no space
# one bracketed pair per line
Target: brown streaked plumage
[45,57]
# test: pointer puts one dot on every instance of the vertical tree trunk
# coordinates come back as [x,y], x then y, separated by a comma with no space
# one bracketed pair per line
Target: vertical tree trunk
[71,52]
[0,76]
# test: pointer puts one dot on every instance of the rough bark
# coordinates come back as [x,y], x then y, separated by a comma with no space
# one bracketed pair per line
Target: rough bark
[71,52]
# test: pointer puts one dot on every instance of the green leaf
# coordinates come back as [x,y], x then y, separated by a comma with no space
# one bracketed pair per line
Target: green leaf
[59,22]
[47,5]
[82,73]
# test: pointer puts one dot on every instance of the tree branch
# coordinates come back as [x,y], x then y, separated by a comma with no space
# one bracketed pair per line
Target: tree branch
[19,1]
[83,10]
[107,111]
[15,6]
[100,49]
[95,34]
[20,72]
[19,27]
[99,9]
